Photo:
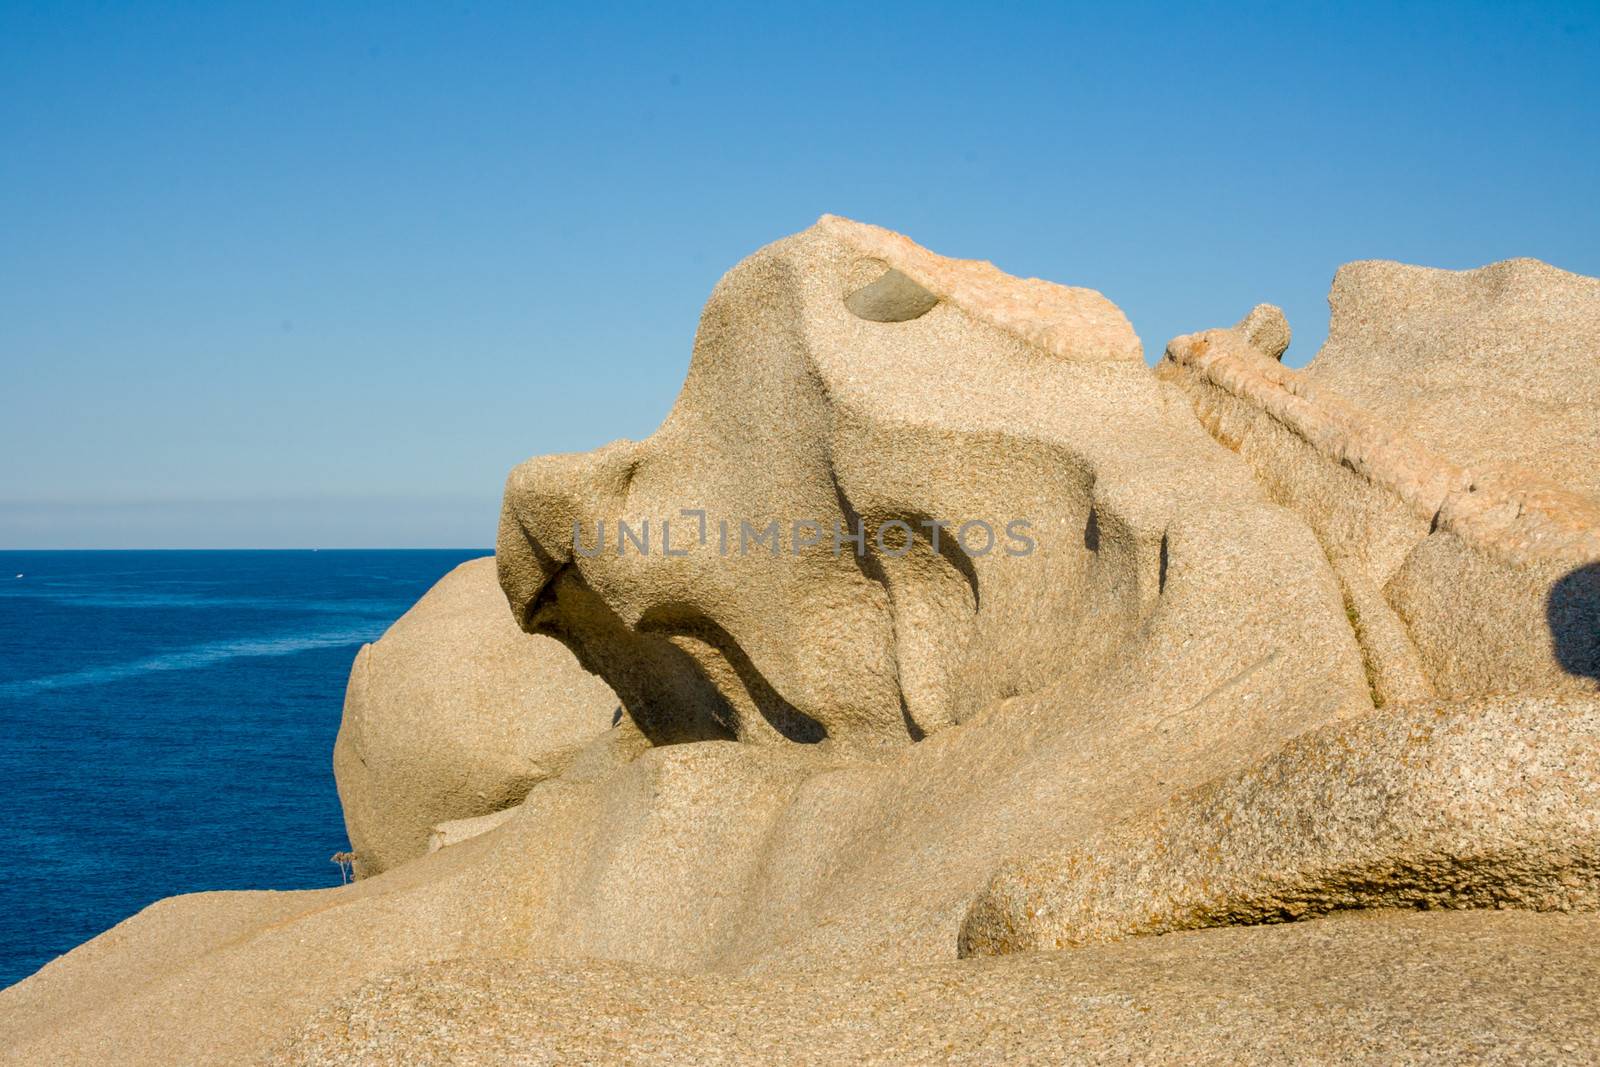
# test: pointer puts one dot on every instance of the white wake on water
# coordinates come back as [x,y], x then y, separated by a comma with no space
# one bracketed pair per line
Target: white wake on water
[203,655]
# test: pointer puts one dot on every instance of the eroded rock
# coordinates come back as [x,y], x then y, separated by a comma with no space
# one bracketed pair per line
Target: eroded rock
[1492,804]
[1442,446]
[1280,659]
[455,714]
[1478,987]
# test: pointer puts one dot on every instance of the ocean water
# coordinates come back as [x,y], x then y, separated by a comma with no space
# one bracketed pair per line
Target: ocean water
[167,723]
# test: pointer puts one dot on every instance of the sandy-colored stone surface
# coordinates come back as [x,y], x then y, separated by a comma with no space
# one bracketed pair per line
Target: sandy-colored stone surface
[798,409]
[455,714]
[1490,804]
[1372,988]
[1490,366]
[1464,572]
[1266,655]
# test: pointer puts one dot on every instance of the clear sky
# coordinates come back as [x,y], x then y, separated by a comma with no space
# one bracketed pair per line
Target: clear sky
[319,274]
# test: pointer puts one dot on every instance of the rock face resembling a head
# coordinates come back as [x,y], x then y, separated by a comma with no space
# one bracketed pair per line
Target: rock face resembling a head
[997,445]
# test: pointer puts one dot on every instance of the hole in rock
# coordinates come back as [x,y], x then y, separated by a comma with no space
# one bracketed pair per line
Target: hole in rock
[892,298]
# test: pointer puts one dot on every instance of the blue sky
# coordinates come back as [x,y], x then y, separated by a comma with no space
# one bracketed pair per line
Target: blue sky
[318,275]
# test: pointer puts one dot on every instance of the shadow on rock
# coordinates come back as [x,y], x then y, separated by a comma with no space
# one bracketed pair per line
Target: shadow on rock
[1573,611]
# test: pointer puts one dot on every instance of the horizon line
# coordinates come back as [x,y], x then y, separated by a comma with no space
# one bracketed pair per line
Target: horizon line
[296,548]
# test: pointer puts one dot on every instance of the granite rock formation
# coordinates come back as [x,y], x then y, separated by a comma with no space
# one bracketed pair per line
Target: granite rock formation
[1245,646]
[1372,987]
[454,714]
[1441,446]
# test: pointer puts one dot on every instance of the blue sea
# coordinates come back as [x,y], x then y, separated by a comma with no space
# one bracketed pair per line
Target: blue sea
[168,722]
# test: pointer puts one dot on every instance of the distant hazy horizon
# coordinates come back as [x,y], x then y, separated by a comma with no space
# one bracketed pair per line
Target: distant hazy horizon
[303,275]
[345,523]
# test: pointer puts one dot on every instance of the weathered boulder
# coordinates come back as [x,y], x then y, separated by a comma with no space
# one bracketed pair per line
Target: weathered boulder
[1488,804]
[453,714]
[1373,987]
[1240,673]
[1031,508]
[1442,446]
[1494,366]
